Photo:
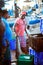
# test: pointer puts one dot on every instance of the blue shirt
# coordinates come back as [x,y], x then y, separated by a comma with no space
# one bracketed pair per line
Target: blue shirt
[7,33]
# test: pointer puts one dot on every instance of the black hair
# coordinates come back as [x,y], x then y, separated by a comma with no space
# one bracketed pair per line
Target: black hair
[4,11]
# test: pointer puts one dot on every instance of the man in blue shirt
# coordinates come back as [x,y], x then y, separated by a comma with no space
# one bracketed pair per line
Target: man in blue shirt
[8,36]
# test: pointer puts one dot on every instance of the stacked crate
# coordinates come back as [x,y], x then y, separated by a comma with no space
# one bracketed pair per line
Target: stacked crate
[36,49]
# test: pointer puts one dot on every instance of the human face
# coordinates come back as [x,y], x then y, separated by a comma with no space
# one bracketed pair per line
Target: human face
[6,15]
[23,17]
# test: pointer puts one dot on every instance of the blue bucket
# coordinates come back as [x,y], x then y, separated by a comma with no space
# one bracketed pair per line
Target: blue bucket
[13,45]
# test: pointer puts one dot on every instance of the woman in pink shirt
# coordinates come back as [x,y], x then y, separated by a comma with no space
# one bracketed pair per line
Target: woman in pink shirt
[20,28]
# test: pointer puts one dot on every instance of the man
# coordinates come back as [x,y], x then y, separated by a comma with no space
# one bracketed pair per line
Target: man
[16,10]
[20,28]
[8,30]
[8,36]
[2,47]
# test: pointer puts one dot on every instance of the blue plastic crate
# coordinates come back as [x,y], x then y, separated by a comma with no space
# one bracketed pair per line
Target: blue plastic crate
[13,44]
[41,58]
[32,52]
[38,56]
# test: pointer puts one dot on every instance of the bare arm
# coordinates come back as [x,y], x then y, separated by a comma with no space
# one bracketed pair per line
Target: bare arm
[16,29]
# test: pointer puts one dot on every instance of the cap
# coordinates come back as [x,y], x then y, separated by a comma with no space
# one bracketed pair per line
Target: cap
[23,13]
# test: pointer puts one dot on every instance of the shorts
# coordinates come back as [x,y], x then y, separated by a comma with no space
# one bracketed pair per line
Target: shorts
[22,40]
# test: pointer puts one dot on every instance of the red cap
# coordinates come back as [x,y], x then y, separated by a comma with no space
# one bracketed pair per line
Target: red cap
[23,13]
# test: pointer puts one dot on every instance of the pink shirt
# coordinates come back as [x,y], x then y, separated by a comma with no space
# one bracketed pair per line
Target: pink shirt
[20,28]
